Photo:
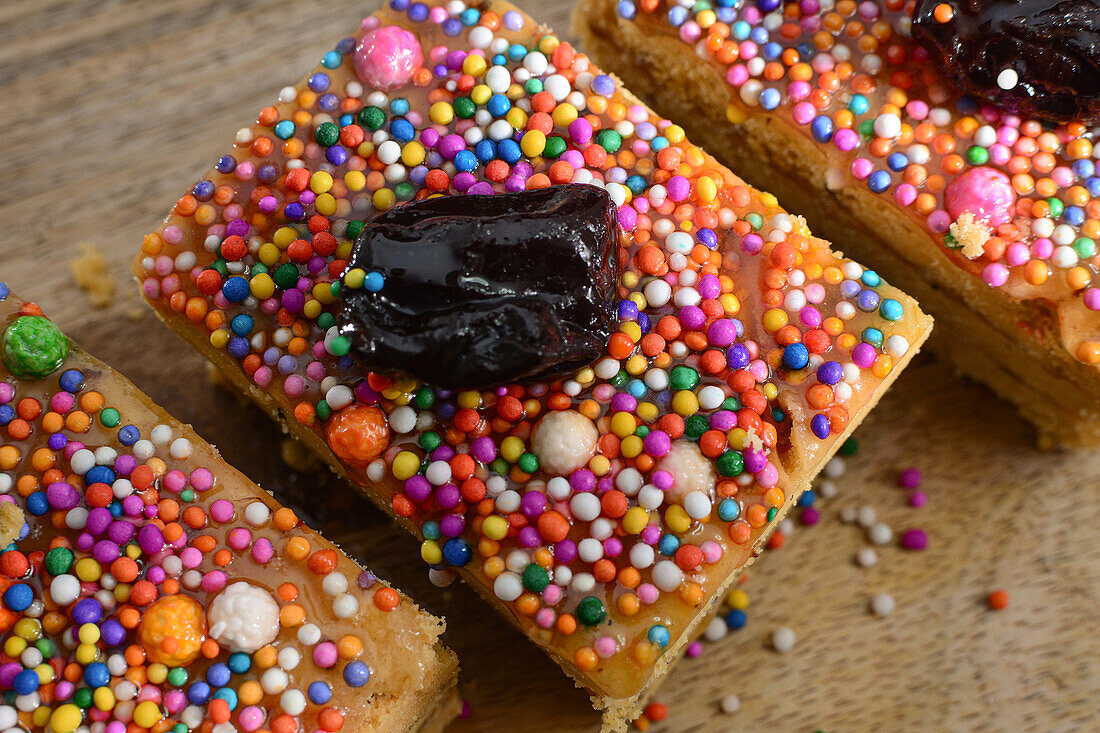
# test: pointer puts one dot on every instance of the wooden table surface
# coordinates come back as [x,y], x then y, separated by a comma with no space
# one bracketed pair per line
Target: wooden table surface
[111,109]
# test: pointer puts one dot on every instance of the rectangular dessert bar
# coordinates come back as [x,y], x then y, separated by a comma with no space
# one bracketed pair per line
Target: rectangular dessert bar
[602,506]
[147,583]
[991,219]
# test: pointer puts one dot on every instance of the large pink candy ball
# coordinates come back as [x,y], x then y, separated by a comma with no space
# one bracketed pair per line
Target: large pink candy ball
[984,192]
[387,57]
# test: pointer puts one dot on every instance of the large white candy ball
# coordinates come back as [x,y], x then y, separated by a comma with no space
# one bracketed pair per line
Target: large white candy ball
[690,469]
[564,441]
[244,617]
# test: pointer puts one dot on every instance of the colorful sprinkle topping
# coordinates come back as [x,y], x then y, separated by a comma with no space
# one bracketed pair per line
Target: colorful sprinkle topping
[604,508]
[146,586]
[1015,201]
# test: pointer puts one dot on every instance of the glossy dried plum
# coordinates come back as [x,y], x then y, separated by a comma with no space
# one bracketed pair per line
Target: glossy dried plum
[1031,57]
[485,290]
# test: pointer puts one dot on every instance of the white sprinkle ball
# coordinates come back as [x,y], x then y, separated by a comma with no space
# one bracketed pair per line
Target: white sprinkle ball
[783,639]
[880,533]
[866,557]
[883,604]
[866,516]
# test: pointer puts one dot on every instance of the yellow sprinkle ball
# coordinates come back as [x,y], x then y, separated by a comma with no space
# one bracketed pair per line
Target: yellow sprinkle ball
[29,629]
[469,399]
[631,446]
[623,424]
[635,520]
[103,698]
[636,364]
[685,403]
[480,94]
[284,236]
[14,646]
[599,465]
[647,411]
[431,552]
[405,465]
[735,115]
[87,653]
[677,519]
[412,154]
[383,199]
[147,714]
[88,634]
[564,114]
[262,285]
[157,673]
[706,189]
[511,448]
[325,204]
[516,117]
[775,319]
[737,599]
[65,719]
[442,113]
[320,182]
[46,673]
[355,180]
[533,143]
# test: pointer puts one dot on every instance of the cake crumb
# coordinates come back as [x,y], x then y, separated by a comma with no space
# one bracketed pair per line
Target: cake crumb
[91,275]
[971,235]
[11,522]
[754,441]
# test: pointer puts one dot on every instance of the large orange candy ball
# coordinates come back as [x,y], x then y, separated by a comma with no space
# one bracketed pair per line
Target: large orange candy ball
[172,630]
[358,434]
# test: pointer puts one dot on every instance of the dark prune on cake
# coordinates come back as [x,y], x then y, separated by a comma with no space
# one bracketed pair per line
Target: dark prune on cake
[1031,57]
[484,290]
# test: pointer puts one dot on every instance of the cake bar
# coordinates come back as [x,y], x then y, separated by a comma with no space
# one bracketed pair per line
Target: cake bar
[981,202]
[588,366]
[147,585]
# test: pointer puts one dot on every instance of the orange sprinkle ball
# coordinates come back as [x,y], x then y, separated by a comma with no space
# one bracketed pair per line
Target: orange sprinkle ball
[172,630]
[998,600]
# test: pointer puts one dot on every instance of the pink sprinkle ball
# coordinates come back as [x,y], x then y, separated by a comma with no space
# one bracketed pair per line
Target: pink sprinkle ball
[694,649]
[387,57]
[263,551]
[910,478]
[914,539]
[201,479]
[995,274]
[984,192]
[324,654]
[918,499]
[221,510]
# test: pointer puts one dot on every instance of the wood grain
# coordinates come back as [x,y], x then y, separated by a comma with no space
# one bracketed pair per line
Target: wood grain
[110,109]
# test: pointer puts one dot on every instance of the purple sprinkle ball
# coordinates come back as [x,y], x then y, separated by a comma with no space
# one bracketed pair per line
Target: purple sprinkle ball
[914,539]
[909,478]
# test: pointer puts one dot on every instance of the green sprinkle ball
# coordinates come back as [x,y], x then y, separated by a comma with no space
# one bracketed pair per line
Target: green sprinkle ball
[33,347]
